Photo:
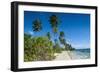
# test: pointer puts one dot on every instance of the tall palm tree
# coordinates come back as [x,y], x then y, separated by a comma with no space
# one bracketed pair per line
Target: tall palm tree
[53,21]
[36,25]
[54,24]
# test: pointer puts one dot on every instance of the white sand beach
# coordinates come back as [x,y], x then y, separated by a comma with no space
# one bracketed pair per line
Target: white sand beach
[71,55]
[65,55]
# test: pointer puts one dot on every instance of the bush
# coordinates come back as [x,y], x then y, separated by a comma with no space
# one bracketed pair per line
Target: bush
[38,49]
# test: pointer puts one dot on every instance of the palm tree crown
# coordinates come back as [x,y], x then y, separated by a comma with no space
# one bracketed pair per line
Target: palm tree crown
[37,25]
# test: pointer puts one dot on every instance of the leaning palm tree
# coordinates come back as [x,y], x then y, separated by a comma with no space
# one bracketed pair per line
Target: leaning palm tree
[62,34]
[63,41]
[61,38]
[36,25]
[48,35]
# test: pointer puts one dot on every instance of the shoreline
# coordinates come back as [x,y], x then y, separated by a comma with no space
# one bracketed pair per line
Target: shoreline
[65,55]
[71,55]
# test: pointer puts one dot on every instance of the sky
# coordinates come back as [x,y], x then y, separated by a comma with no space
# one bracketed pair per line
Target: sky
[75,26]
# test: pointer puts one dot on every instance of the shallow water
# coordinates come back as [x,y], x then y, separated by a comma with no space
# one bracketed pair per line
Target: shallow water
[81,54]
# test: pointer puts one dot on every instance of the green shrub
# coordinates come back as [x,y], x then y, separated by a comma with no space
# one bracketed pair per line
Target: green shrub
[37,49]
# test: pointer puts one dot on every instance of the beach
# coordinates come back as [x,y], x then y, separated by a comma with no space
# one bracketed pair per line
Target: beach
[63,56]
[71,55]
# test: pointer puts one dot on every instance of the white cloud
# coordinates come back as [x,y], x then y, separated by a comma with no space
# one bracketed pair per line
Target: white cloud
[31,32]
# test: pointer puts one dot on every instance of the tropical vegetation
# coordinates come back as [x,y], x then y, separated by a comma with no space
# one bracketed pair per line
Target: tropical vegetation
[43,48]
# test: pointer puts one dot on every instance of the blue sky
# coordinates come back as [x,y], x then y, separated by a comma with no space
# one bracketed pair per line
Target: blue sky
[75,26]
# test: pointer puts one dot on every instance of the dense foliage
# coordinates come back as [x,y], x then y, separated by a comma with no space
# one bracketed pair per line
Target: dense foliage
[37,48]
[42,48]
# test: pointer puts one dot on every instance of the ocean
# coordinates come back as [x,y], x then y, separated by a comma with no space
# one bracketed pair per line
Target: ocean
[81,54]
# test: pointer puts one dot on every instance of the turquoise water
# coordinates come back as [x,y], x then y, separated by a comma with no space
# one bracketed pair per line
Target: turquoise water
[81,54]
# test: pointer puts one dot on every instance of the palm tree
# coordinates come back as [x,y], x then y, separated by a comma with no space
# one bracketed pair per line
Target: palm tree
[63,41]
[48,35]
[36,25]
[54,24]
[61,38]
[53,21]
[62,34]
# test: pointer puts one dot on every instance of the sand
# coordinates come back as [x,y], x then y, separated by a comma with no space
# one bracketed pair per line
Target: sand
[65,55]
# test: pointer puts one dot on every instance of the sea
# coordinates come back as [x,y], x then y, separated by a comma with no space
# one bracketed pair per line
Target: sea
[81,54]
